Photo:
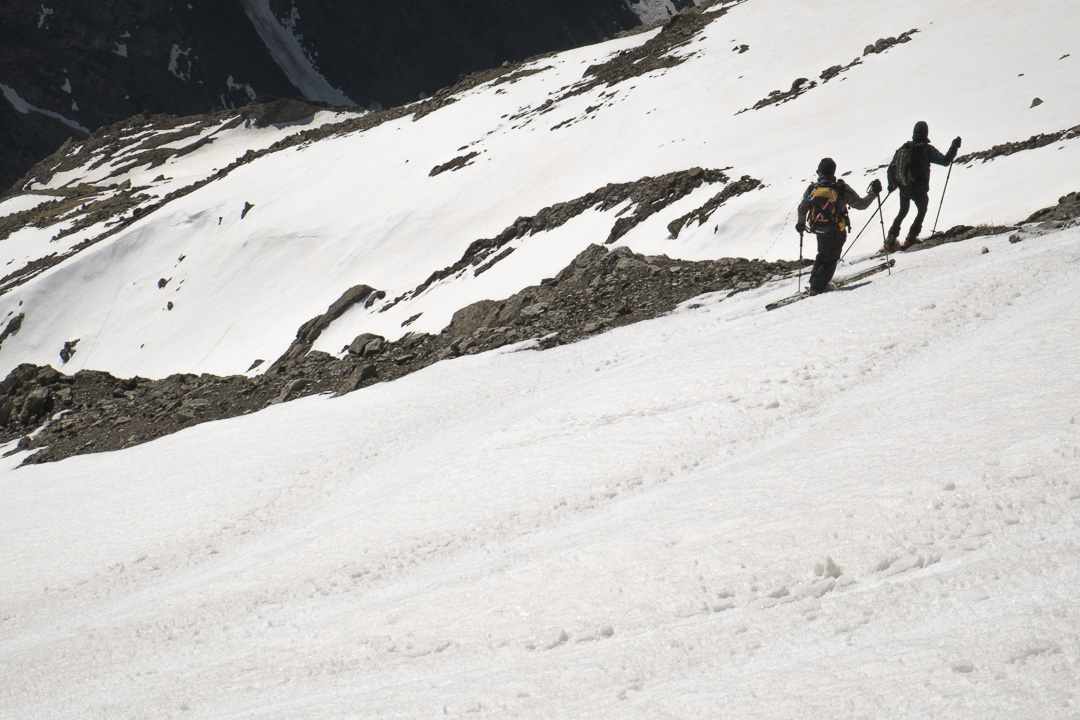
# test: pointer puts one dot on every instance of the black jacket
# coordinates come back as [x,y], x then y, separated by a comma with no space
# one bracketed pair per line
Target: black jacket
[924,154]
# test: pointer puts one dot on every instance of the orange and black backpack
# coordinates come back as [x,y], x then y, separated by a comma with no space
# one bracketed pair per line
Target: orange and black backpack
[828,212]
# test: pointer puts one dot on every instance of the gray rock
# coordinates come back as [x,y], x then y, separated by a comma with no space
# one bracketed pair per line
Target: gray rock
[36,406]
[68,350]
[358,377]
[534,310]
[366,344]
[48,376]
[468,319]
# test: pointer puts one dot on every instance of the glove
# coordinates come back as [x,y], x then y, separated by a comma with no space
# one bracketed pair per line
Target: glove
[875,186]
[800,228]
[891,187]
[956,142]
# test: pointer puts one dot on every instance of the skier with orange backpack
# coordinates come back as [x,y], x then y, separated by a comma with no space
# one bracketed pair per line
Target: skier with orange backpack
[823,211]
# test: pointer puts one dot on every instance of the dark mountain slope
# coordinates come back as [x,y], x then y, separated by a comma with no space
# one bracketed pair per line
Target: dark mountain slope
[70,67]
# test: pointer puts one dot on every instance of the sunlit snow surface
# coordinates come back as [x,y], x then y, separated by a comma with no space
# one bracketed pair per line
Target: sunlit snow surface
[863,505]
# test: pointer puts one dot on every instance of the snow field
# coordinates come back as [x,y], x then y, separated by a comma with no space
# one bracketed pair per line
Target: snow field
[859,505]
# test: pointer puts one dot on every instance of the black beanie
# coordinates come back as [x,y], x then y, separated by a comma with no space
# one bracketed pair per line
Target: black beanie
[827,167]
[921,132]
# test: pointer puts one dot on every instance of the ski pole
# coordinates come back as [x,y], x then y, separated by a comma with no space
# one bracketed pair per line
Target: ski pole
[866,225]
[884,240]
[942,198]
[800,262]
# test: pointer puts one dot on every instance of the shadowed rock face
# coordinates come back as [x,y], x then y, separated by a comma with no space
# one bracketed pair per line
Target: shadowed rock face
[77,66]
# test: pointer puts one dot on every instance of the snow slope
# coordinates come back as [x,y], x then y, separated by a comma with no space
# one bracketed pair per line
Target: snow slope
[861,505]
[864,505]
[362,208]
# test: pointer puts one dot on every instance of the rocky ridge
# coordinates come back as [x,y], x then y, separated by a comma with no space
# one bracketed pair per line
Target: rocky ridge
[57,416]
[60,415]
[803,85]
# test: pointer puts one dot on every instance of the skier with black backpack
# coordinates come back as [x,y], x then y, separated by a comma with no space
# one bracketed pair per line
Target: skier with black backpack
[823,211]
[910,172]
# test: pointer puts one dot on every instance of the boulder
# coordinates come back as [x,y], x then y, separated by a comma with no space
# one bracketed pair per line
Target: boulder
[358,377]
[366,344]
[37,406]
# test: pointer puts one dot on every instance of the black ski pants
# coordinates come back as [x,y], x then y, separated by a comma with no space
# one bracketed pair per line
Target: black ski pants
[829,247]
[922,200]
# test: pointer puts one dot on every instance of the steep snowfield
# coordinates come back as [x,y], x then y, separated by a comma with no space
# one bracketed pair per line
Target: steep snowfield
[862,505]
[362,208]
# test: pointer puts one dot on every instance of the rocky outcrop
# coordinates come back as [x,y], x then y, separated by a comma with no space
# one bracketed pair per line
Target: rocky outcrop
[884,44]
[647,196]
[310,331]
[702,214]
[1011,148]
[802,85]
[1067,210]
[655,54]
[601,289]
[93,411]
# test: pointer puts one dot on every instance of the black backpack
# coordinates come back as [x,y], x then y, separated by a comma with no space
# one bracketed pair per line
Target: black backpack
[827,210]
[903,165]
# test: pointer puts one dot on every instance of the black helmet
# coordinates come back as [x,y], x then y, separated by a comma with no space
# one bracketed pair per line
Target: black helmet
[827,167]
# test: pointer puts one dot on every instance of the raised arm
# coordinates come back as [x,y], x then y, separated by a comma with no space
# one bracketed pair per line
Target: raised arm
[852,198]
[946,159]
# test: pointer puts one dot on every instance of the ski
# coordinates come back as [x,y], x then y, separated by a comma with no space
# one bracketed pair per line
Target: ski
[839,284]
